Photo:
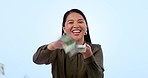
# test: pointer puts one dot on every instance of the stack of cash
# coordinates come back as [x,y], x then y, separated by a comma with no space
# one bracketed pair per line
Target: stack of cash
[81,48]
[70,45]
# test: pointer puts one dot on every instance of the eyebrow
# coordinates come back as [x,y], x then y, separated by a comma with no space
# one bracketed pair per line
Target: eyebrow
[73,20]
[81,19]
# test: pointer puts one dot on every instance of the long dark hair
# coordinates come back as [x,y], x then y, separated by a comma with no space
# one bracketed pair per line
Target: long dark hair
[87,36]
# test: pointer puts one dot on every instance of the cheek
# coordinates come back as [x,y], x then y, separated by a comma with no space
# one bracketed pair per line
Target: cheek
[83,33]
[67,29]
[85,29]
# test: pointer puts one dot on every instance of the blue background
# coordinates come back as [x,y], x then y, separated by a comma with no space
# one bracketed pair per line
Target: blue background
[120,26]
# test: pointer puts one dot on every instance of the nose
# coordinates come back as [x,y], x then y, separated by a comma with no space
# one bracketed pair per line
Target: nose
[76,25]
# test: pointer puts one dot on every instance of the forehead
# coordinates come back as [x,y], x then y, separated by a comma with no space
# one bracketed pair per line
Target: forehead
[74,16]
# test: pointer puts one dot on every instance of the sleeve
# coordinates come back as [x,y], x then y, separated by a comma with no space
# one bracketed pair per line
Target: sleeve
[44,55]
[94,64]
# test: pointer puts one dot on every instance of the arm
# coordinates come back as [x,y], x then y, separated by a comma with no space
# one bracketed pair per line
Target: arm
[44,55]
[94,63]
[47,53]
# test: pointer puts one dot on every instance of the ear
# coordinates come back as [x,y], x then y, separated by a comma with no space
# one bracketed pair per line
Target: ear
[86,28]
[64,30]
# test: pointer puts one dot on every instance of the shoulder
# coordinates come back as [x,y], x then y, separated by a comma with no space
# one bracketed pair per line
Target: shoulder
[95,47]
[43,47]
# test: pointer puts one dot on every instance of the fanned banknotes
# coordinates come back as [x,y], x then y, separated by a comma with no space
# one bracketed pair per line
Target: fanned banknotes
[70,46]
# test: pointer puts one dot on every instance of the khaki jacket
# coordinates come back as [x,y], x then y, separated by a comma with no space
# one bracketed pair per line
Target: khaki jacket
[64,66]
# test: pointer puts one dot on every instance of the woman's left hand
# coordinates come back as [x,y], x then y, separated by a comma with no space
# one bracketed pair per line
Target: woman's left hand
[88,52]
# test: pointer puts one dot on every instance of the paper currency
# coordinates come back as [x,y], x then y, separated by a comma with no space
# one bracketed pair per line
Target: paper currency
[70,45]
[81,48]
[2,69]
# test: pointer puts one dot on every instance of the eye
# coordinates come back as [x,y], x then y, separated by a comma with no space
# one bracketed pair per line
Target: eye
[70,22]
[81,21]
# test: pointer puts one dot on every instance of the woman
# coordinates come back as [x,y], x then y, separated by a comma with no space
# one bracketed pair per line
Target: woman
[87,64]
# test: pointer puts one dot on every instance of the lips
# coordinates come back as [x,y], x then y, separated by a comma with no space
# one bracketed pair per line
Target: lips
[76,31]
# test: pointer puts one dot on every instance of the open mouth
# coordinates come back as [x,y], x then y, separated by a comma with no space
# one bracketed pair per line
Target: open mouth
[76,31]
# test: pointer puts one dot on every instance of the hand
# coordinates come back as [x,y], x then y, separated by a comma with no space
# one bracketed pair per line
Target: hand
[88,52]
[55,45]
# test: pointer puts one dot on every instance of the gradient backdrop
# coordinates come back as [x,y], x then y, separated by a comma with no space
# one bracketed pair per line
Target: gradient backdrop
[120,26]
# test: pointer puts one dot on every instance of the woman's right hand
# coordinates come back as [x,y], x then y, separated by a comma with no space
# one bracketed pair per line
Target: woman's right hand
[55,45]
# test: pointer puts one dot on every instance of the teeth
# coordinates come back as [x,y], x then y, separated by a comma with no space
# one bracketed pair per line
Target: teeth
[76,31]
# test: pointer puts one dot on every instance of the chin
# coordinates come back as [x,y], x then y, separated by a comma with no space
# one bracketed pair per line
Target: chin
[77,38]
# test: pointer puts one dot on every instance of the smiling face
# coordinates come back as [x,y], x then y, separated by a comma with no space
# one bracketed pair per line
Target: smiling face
[76,27]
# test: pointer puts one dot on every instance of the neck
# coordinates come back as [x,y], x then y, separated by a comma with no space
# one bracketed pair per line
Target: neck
[80,42]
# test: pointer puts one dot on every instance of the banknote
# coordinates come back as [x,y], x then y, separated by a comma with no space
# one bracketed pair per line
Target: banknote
[70,45]
[2,69]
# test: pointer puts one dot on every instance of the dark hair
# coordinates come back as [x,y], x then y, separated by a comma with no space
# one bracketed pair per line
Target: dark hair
[87,36]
